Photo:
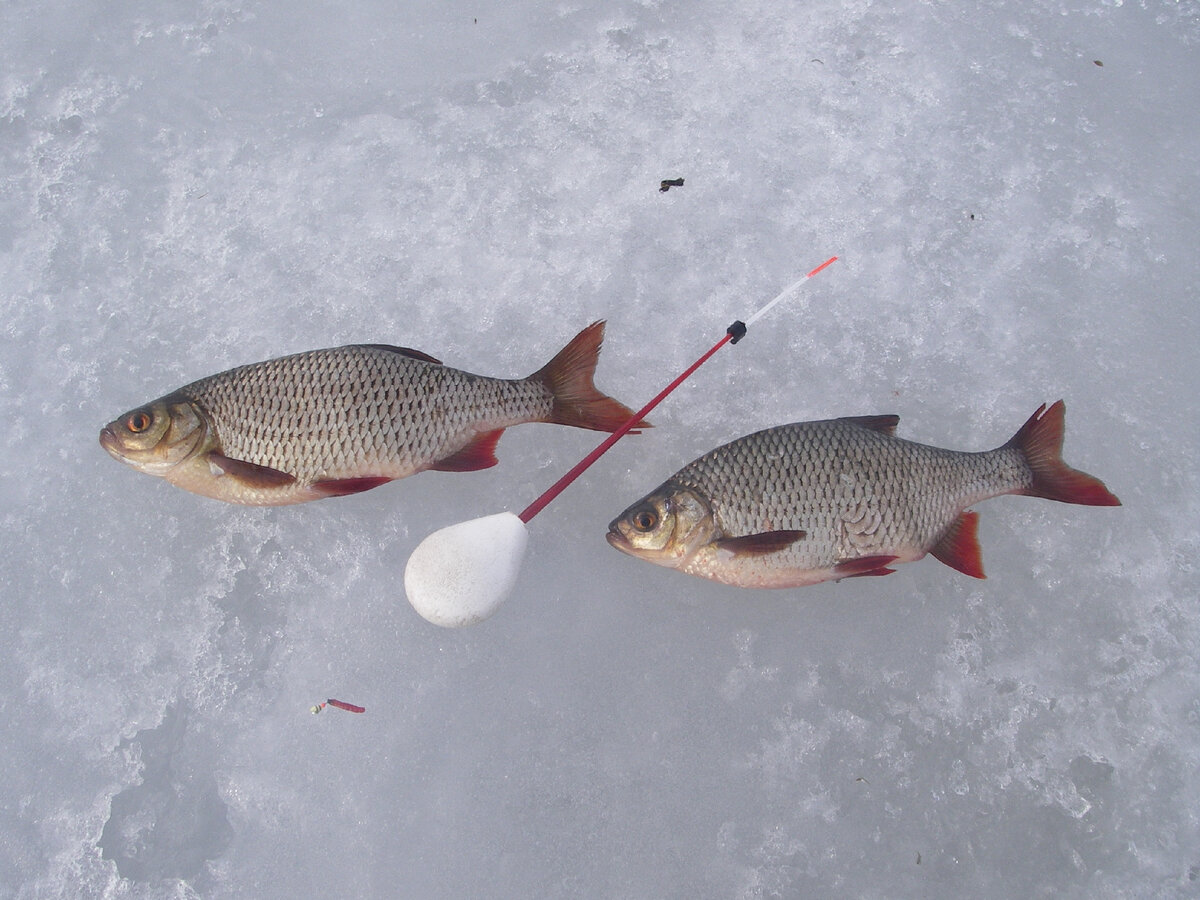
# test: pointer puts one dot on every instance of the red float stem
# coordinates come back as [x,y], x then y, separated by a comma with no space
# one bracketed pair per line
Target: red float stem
[734,334]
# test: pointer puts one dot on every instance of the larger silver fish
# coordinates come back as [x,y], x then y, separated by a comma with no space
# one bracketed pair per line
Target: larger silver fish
[333,422]
[815,501]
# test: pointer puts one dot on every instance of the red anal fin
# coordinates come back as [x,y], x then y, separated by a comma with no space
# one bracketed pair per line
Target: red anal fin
[883,424]
[479,453]
[758,544]
[1040,440]
[342,487]
[577,401]
[404,351]
[864,565]
[250,474]
[958,547]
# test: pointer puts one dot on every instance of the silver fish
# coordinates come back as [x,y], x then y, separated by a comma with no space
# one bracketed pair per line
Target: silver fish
[339,421]
[814,501]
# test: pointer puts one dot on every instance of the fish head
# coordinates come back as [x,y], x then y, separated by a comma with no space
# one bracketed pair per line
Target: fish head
[665,527]
[157,437]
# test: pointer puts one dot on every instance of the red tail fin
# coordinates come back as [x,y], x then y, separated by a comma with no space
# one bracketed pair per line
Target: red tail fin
[1040,440]
[569,377]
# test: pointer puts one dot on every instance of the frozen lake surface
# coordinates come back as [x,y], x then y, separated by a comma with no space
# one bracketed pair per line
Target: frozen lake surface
[1012,190]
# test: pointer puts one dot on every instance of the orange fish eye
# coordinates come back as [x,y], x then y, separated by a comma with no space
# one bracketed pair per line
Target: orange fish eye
[644,520]
[138,421]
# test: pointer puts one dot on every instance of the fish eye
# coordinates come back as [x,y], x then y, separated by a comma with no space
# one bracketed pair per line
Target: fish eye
[644,520]
[138,421]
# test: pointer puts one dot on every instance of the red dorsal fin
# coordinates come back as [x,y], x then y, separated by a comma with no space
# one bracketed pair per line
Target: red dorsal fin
[884,424]
[569,377]
[1040,441]
[864,565]
[250,474]
[958,547]
[758,544]
[479,453]
[404,351]
[341,487]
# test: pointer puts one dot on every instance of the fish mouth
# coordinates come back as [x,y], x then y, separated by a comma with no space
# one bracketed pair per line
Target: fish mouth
[618,540]
[109,441]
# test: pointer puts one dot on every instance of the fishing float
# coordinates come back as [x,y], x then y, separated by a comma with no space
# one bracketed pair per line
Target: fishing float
[459,575]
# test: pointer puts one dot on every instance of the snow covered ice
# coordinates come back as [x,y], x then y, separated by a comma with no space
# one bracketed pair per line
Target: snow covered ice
[1011,189]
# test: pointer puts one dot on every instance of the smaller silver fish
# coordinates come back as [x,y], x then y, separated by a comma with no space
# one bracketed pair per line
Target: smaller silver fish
[815,501]
[331,422]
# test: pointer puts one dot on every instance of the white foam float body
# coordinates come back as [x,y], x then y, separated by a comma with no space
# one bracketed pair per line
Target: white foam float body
[460,574]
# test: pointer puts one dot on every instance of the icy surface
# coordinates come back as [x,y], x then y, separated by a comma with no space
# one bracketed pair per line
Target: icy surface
[1012,188]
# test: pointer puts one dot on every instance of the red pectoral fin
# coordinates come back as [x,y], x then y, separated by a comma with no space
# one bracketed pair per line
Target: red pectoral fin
[480,453]
[959,546]
[248,473]
[864,565]
[758,544]
[341,487]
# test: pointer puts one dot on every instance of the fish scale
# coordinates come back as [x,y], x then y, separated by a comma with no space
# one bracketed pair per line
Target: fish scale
[827,477]
[330,412]
[346,419]
[813,501]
